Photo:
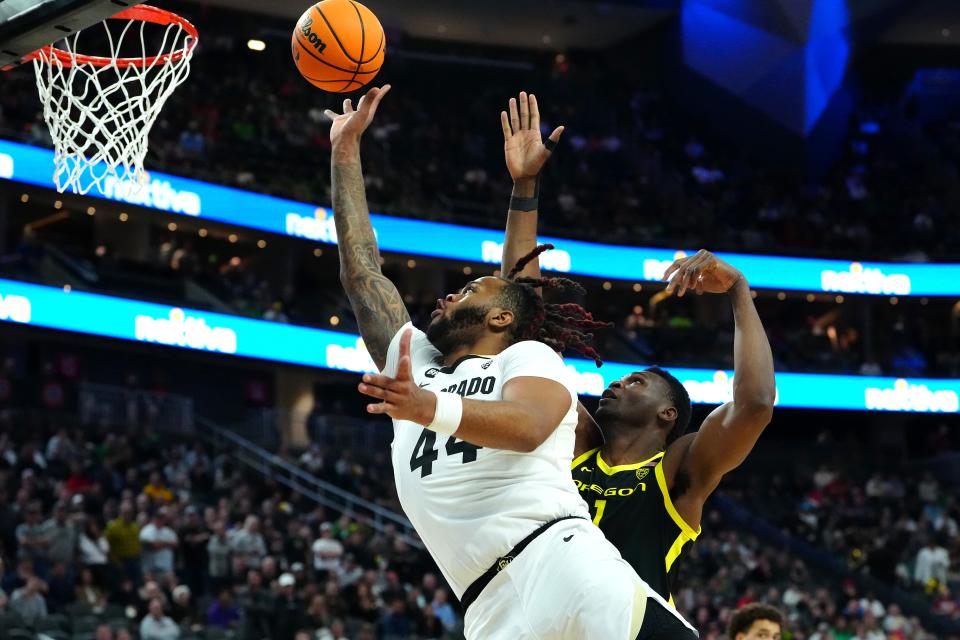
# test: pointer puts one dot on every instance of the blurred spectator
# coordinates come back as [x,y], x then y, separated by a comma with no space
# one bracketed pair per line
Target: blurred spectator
[932,565]
[32,539]
[288,609]
[222,612]
[159,543]
[157,626]
[93,548]
[29,602]
[87,591]
[247,545]
[156,490]
[317,615]
[257,605]
[123,537]
[61,448]
[327,552]
[182,608]
[218,552]
[63,538]
[443,610]
[395,624]
[61,587]
[194,537]
[103,632]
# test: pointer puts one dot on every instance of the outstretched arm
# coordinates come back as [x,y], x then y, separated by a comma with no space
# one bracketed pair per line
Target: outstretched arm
[730,432]
[375,300]
[525,155]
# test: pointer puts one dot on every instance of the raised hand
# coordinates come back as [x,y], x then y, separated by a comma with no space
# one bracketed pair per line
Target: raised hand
[350,125]
[400,397]
[702,272]
[523,149]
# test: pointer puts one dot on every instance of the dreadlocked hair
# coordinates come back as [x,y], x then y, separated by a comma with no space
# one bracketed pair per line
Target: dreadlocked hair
[559,326]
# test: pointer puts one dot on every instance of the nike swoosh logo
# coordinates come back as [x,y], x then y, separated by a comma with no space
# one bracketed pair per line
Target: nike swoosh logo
[423,384]
[567,539]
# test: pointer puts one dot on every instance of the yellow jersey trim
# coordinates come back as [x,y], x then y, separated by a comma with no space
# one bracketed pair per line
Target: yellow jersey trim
[607,469]
[676,549]
[668,503]
[583,457]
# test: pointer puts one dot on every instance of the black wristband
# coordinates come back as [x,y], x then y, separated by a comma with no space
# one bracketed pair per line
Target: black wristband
[527,204]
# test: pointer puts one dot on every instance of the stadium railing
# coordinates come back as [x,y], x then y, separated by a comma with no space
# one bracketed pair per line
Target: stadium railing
[292,477]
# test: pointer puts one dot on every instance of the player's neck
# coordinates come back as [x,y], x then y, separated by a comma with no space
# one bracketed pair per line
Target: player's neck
[489,345]
[630,445]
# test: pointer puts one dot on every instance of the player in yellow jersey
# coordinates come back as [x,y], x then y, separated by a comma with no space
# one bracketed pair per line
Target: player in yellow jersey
[643,477]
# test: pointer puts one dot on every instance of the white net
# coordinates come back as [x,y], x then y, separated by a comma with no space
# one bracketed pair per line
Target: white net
[100,109]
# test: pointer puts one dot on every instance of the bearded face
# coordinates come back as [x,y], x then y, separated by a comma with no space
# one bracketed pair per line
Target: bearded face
[463,325]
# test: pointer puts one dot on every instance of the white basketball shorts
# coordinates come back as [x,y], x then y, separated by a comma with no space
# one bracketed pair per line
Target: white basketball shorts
[570,583]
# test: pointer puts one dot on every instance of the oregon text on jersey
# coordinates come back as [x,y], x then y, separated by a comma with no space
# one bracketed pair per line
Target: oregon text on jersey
[624,497]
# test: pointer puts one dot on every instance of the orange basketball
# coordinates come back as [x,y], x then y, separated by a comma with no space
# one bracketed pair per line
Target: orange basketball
[338,45]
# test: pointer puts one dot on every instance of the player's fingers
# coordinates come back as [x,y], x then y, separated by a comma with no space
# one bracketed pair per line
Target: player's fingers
[380,393]
[514,116]
[682,279]
[505,125]
[372,391]
[695,269]
[404,367]
[380,408]
[330,114]
[377,379]
[347,105]
[376,95]
[534,113]
[671,285]
[672,268]
[688,274]
[555,136]
[676,280]
[524,111]
[700,264]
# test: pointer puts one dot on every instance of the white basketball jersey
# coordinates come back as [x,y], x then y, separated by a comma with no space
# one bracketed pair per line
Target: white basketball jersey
[472,504]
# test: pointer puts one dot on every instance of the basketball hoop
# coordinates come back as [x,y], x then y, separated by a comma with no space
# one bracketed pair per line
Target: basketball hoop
[100,109]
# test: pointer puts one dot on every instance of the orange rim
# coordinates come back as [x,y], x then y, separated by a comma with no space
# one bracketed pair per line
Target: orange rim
[143,13]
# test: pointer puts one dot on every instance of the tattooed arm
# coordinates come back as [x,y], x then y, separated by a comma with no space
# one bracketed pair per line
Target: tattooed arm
[375,300]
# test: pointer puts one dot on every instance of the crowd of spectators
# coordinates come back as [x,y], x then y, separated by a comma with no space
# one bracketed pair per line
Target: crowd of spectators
[899,526]
[728,569]
[632,168]
[125,533]
[124,530]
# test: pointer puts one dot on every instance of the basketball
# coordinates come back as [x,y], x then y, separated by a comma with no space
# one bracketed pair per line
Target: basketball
[338,45]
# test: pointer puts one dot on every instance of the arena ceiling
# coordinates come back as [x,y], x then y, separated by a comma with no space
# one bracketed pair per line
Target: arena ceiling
[551,25]
[560,24]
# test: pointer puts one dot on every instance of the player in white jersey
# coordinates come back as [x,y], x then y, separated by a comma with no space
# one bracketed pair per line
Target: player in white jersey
[484,415]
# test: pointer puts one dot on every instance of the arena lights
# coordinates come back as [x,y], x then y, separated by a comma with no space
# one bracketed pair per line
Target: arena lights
[134,320]
[183,196]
